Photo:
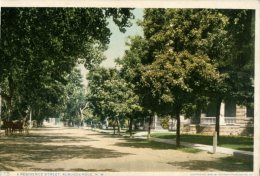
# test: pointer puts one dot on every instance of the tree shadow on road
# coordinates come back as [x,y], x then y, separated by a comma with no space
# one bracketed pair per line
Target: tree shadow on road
[106,135]
[35,138]
[15,155]
[142,143]
[229,163]
[19,151]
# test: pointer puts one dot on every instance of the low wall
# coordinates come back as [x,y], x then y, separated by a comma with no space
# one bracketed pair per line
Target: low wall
[224,130]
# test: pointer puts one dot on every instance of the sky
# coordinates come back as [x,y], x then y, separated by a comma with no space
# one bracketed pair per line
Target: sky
[118,39]
[117,45]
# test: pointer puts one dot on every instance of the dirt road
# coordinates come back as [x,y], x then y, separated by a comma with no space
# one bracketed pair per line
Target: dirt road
[66,149]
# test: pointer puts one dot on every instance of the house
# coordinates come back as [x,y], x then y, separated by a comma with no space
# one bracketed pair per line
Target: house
[234,120]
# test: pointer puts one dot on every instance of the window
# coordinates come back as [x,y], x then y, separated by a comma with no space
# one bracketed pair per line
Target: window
[211,109]
[230,109]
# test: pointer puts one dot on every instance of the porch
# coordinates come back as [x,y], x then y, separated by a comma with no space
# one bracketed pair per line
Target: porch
[233,120]
[212,120]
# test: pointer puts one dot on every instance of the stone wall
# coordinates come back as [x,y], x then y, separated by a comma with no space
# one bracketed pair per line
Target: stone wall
[242,126]
[224,129]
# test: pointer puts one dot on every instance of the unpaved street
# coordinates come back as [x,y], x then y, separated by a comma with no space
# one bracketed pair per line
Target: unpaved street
[70,149]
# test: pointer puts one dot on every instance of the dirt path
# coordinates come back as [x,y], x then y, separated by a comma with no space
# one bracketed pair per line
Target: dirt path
[64,149]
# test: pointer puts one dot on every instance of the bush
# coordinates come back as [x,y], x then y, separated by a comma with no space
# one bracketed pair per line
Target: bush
[165,122]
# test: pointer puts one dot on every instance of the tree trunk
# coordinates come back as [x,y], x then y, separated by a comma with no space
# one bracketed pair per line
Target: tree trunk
[107,123]
[197,116]
[11,93]
[30,119]
[114,128]
[0,107]
[81,117]
[131,127]
[218,105]
[149,126]
[118,125]
[178,128]
[81,110]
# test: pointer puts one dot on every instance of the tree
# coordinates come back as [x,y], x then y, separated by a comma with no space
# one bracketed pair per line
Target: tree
[40,46]
[97,78]
[207,33]
[113,96]
[130,70]
[75,98]
[238,63]
[193,32]
[177,79]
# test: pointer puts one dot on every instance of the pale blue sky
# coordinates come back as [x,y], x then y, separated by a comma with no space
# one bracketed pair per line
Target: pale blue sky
[118,39]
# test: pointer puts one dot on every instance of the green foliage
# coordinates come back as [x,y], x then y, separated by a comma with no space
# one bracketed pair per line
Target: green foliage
[165,122]
[75,96]
[192,55]
[226,37]
[41,46]
[176,79]
[195,30]
[97,78]
[239,64]
[110,96]
[131,62]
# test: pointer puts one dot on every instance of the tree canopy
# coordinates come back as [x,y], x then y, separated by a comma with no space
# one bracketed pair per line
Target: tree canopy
[188,56]
[111,96]
[41,46]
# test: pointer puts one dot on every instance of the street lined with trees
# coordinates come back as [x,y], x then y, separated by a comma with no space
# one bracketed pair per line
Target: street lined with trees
[189,58]
[186,59]
[39,49]
[79,150]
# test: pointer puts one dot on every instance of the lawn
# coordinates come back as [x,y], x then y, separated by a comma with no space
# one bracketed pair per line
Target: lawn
[141,143]
[234,142]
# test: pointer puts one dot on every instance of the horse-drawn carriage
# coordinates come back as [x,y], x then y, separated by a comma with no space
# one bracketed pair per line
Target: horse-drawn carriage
[15,126]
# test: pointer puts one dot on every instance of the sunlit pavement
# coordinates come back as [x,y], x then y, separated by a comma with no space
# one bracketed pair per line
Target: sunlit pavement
[78,149]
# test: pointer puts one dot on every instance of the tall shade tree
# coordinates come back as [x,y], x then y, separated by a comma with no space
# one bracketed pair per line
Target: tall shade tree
[239,64]
[214,34]
[176,80]
[40,46]
[75,98]
[96,80]
[130,70]
[195,32]
[115,97]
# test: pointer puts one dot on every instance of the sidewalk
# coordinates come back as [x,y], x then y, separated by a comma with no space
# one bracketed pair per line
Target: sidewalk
[223,150]
[204,147]
[208,148]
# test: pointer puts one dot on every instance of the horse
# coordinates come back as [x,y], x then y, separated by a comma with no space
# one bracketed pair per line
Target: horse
[17,126]
[21,126]
[8,126]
